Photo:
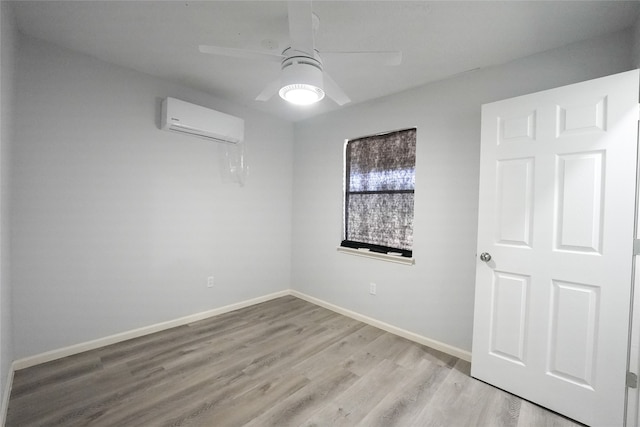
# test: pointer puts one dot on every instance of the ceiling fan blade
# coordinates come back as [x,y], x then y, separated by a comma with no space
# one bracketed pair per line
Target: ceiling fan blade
[270,90]
[333,91]
[301,26]
[240,53]
[391,58]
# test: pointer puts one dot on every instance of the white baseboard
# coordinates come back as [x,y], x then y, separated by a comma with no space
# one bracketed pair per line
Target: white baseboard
[436,345]
[112,339]
[135,333]
[6,393]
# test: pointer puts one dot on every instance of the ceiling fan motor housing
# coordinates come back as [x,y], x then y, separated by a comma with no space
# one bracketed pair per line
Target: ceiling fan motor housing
[302,72]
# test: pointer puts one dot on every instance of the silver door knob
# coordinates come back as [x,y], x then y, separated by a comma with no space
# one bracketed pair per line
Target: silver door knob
[485,256]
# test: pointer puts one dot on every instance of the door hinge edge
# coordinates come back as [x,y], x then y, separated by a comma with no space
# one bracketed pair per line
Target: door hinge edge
[636,246]
[632,380]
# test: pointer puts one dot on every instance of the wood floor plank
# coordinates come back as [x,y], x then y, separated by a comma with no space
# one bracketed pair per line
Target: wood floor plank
[384,346]
[315,365]
[533,415]
[407,398]
[351,406]
[297,407]
[250,404]
[282,363]
[483,404]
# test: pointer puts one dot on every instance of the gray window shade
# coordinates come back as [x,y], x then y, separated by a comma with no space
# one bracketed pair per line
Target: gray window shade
[379,192]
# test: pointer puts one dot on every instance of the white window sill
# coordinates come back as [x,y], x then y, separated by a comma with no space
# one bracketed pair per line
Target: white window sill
[377,255]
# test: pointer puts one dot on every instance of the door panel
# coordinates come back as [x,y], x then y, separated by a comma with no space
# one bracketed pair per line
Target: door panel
[587,116]
[573,337]
[579,188]
[509,322]
[517,128]
[556,213]
[515,202]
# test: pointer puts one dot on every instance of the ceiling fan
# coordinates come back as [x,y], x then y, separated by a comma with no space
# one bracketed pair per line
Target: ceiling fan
[302,80]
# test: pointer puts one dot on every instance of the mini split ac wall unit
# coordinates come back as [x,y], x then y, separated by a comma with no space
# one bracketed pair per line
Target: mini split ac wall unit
[184,117]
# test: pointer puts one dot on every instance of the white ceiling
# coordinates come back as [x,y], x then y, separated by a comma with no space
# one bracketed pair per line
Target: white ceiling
[437,39]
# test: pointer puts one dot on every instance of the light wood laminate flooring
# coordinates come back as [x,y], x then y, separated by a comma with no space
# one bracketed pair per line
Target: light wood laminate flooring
[284,362]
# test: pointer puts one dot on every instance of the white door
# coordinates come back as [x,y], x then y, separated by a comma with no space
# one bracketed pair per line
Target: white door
[556,216]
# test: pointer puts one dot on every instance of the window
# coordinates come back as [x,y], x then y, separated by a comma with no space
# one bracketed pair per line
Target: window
[379,192]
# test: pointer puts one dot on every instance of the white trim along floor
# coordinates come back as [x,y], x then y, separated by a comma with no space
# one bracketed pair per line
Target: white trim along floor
[135,333]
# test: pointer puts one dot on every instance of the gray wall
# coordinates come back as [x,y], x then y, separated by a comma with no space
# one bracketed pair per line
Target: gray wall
[435,297]
[117,224]
[8,38]
[635,34]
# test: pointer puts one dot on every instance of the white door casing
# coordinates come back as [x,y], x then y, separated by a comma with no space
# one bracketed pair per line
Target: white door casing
[556,214]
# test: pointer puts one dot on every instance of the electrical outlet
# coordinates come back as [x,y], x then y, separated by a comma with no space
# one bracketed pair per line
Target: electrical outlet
[372,288]
[210,282]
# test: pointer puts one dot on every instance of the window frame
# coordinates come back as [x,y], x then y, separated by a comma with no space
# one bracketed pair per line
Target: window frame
[364,247]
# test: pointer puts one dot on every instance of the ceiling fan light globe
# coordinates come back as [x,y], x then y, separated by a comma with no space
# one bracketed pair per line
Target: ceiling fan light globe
[301,94]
